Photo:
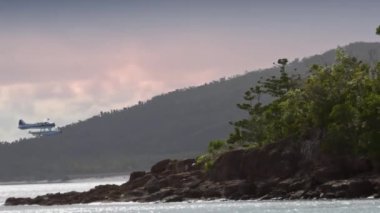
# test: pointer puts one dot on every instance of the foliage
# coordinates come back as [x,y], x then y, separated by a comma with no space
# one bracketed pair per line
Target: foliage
[260,127]
[215,149]
[378,30]
[342,101]
[215,146]
[345,104]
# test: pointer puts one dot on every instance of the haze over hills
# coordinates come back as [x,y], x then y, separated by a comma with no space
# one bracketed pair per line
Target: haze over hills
[174,125]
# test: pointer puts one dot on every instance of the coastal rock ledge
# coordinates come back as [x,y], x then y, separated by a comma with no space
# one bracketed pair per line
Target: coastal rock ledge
[277,171]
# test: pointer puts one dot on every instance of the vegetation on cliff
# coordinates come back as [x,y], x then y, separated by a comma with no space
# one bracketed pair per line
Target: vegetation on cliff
[340,101]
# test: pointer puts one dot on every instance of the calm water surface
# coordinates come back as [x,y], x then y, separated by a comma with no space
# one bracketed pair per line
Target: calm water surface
[31,190]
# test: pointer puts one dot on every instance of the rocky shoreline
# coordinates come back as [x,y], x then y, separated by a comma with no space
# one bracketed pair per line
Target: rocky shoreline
[283,170]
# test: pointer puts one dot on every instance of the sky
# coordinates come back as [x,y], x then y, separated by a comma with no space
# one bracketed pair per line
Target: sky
[70,60]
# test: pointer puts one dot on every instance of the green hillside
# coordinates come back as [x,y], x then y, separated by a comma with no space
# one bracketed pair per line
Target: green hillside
[173,125]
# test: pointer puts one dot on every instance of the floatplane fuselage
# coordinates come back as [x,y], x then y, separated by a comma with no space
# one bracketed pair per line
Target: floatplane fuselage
[45,128]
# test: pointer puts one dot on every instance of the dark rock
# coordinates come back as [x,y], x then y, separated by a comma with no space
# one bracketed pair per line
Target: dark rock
[134,175]
[174,198]
[152,185]
[325,174]
[12,201]
[228,166]
[352,188]
[284,170]
[192,193]
[238,188]
[311,194]
[135,193]
[375,181]
[296,195]
[293,184]
[182,166]
[160,166]
[279,160]
[272,161]
[136,183]
[159,195]
[211,190]
[265,187]
[361,165]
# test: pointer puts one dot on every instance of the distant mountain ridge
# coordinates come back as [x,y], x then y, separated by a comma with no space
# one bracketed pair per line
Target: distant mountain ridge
[174,125]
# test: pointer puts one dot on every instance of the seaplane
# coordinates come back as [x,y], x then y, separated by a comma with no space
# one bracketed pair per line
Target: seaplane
[44,128]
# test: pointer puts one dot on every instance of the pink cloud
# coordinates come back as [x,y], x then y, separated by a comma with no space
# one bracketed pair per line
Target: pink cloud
[68,79]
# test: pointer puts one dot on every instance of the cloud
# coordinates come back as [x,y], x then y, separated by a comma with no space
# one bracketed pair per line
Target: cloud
[67,85]
[68,78]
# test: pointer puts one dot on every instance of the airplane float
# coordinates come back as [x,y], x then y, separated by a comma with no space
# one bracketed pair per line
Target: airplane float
[44,128]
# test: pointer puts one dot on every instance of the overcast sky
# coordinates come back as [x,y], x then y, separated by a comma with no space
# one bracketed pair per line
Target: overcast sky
[68,60]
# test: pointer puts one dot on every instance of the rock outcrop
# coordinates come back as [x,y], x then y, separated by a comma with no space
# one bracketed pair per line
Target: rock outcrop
[277,171]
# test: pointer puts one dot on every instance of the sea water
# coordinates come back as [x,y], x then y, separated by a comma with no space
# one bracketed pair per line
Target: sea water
[32,190]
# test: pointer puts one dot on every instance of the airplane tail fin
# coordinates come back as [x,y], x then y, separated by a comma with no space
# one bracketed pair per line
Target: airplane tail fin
[21,122]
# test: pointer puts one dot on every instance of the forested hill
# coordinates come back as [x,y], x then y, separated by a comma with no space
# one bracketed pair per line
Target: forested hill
[174,125]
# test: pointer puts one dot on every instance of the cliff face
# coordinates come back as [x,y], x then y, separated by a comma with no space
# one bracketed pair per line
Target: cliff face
[286,170]
[283,170]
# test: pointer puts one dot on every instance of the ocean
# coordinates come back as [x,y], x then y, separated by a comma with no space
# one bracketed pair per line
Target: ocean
[31,190]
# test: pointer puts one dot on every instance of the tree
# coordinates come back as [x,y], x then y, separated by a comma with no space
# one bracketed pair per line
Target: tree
[259,127]
[378,30]
[342,101]
[341,98]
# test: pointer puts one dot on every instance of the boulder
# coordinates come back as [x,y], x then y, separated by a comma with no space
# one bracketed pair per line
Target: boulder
[349,188]
[160,166]
[279,160]
[134,175]
[228,167]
